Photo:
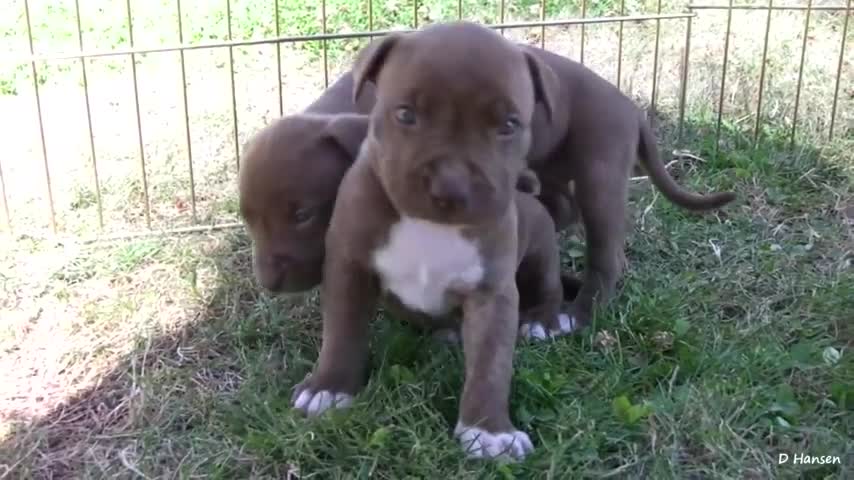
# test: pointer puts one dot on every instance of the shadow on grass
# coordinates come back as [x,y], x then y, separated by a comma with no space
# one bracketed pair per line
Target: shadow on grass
[211,397]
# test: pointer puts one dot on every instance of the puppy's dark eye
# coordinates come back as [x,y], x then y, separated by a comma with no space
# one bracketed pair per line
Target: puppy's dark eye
[509,127]
[303,215]
[405,115]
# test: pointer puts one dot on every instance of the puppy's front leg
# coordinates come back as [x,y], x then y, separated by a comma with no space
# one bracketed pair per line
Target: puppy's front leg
[349,296]
[489,335]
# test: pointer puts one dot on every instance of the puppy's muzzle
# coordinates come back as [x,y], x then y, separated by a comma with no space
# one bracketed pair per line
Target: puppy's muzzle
[272,270]
[449,191]
[280,262]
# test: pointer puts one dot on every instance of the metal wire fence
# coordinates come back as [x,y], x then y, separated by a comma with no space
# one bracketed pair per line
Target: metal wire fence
[82,56]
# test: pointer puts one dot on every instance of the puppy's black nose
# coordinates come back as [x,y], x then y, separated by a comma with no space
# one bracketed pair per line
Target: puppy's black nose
[449,194]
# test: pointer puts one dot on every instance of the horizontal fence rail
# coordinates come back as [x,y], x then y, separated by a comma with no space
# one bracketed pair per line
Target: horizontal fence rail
[320,37]
[35,59]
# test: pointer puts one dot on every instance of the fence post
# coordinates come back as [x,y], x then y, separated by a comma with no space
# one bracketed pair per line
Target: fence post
[41,119]
[684,90]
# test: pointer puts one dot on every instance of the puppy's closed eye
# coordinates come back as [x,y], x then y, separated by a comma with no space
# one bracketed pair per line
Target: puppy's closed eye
[303,215]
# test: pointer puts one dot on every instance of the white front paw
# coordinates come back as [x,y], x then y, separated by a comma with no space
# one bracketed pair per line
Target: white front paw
[478,443]
[567,324]
[537,331]
[533,331]
[313,404]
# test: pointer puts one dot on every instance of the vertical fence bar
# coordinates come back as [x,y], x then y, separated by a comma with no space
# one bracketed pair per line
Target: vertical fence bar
[415,14]
[683,94]
[186,112]
[233,88]
[41,119]
[5,201]
[502,14]
[839,71]
[138,120]
[583,31]
[756,124]
[655,59]
[800,74]
[459,9]
[723,79]
[543,27]
[89,119]
[371,19]
[620,45]
[279,58]
[324,45]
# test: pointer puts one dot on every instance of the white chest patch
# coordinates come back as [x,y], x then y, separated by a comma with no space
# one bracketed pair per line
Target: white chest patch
[423,262]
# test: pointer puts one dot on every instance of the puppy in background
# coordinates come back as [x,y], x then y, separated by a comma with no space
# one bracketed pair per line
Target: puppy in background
[284,204]
[289,177]
[288,181]
[429,215]
[287,185]
[592,139]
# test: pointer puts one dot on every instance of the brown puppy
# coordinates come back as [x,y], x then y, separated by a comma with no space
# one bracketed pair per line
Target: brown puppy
[594,137]
[586,131]
[288,182]
[286,203]
[438,174]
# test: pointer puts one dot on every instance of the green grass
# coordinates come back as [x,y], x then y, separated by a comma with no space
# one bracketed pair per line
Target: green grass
[104,23]
[729,343]
[212,148]
[705,365]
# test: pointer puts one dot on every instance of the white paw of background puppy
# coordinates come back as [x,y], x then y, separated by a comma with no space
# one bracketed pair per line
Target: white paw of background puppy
[567,324]
[315,403]
[538,331]
[449,336]
[478,443]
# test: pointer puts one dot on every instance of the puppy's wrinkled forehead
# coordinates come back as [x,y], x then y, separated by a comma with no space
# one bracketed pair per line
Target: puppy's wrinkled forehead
[287,160]
[458,63]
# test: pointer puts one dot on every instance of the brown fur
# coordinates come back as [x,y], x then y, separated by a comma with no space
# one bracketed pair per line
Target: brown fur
[286,202]
[591,134]
[585,131]
[594,139]
[454,159]
[286,206]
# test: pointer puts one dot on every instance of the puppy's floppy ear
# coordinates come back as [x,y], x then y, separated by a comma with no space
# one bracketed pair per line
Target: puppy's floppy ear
[546,82]
[348,131]
[370,60]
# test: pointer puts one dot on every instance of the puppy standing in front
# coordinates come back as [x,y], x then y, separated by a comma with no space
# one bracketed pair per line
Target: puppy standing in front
[437,174]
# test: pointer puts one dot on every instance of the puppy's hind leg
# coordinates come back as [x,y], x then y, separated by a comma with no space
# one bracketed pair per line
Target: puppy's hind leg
[541,290]
[601,193]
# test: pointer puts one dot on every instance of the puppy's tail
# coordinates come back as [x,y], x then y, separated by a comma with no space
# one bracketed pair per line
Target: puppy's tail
[571,286]
[648,152]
